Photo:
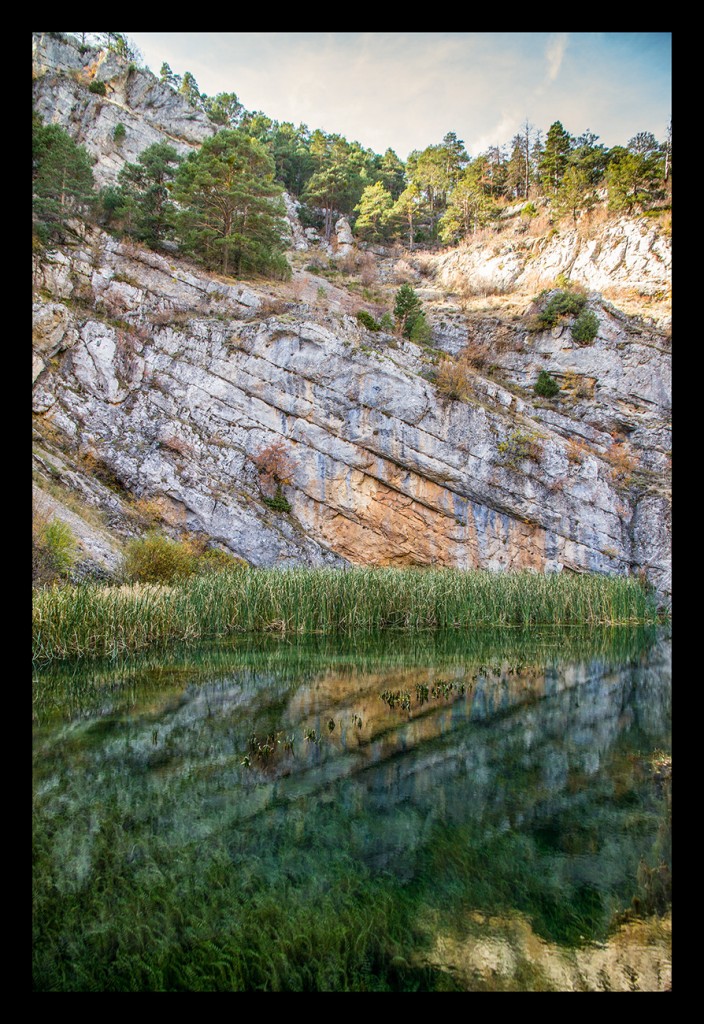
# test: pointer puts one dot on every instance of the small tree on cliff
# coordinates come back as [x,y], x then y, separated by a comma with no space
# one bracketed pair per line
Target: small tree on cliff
[407,310]
[62,183]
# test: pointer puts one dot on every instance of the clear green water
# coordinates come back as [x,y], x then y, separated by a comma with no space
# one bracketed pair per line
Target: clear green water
[424,812]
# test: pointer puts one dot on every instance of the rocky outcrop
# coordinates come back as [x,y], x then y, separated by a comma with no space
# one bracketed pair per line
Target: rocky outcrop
[626,253]
[149,110]
[178,382]
[345,239]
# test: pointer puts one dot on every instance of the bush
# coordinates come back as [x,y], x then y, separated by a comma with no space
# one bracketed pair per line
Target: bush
[421,332]
[53,549]
[407,309]
[158,559]
[119,132]
[454,379]
[561,304]
[520,445]
[585,328]
[218,560]
[386,323]
[367,320]
[546,386]
[279,503]
[99,87]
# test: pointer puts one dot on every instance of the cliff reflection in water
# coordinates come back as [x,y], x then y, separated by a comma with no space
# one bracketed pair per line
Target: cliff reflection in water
[511,775]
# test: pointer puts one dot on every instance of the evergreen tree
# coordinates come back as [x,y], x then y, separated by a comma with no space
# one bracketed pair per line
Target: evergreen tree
[589,157]
[434,171]
[224,109]
[456,158]
[392,174]
[62,183]
[374,212]
[634,180]
[292,158]
[497,171]
[555,157]
[471,205]
[232,214]
[167,76]
[339,181]
[515,171]
[574,194]
[407,310]
[525,146]
[147,207]
[190,91]
[408,209]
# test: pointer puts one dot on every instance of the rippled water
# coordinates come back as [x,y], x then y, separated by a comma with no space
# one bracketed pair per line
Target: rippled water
[426,812]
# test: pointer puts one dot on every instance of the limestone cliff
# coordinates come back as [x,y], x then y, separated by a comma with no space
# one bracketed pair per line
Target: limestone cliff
[149,110]
[157,387]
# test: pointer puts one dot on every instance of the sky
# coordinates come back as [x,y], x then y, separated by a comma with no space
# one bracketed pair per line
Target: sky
[406,91]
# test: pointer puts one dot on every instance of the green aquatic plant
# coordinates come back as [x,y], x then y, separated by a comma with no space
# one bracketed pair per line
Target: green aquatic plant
[93,621]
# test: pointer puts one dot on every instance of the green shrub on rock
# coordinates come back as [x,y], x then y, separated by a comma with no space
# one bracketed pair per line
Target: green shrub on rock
[367,320]
[586,327]
[561,304]
[546,386]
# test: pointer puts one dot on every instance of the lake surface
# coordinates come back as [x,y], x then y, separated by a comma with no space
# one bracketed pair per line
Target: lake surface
[425,812]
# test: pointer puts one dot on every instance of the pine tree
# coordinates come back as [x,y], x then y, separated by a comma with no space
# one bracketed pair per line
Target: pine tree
[574,194]
[145,192]
[392,173]
[374,211]
[190,91]
[407,211]
[62,183]
[471,205]
[407,309]
[167,76]
[634,179]
[555,157]
[232,216]
[224,109]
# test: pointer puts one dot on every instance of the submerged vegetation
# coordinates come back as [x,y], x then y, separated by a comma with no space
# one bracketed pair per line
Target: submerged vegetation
[268,816]
[91,621]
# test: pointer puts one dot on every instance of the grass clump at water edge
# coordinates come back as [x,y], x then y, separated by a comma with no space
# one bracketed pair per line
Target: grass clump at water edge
[90,620]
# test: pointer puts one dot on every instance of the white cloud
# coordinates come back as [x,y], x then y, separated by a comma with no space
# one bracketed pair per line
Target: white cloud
[554,53]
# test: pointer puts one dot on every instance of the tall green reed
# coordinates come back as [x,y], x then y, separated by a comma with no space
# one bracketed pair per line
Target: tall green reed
[88,620]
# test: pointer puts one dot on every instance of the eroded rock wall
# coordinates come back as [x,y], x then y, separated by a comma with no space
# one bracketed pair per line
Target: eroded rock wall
[150,111]
[177,382]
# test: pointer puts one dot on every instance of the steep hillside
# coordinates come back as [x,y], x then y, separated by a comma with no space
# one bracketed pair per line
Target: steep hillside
[162,392]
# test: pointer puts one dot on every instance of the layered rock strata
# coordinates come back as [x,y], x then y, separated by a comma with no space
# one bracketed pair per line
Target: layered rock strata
[178,383]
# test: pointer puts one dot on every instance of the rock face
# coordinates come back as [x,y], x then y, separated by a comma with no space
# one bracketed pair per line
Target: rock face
[150,110]
[178,383]
[626,253]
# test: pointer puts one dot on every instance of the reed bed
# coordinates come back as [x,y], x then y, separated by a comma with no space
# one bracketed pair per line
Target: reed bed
[91,621]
